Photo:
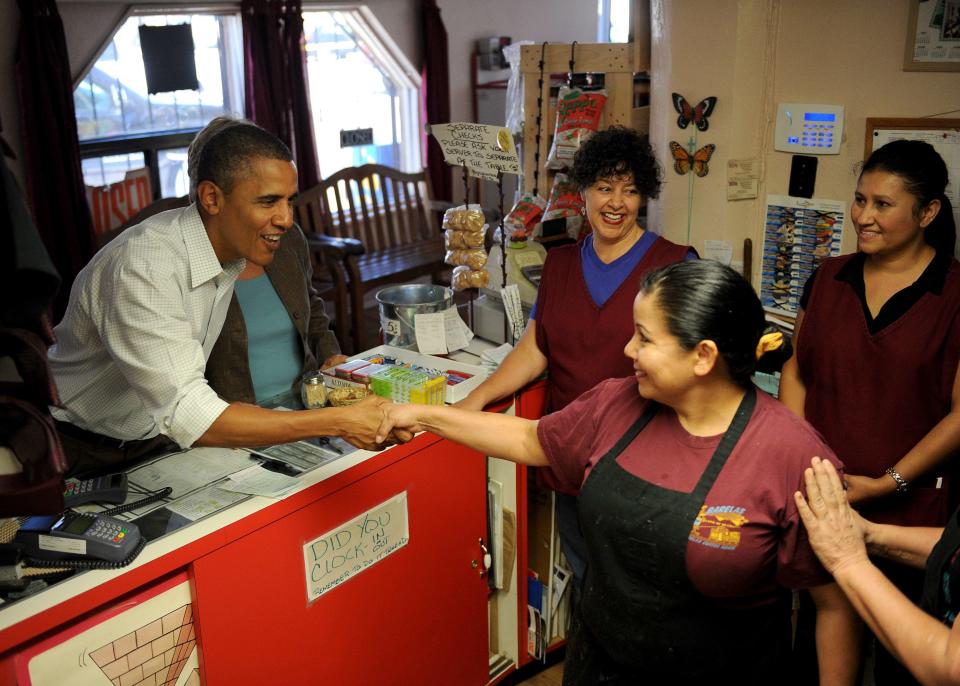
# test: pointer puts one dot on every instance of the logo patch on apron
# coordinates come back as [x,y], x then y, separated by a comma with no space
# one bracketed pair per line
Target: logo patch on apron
[718,526]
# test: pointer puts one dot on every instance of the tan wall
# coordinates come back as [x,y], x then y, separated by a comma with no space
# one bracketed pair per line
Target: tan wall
[754,54]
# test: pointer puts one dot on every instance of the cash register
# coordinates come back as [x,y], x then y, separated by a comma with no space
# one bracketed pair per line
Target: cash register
[524,267]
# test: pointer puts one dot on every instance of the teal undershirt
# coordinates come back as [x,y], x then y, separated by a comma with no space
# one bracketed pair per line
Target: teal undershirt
[273,346]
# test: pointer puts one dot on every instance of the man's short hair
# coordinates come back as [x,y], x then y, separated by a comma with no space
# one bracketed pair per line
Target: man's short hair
[215,126]
[226,156]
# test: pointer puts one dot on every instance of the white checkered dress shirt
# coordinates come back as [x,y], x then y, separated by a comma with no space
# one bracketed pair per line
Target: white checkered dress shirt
[142,318]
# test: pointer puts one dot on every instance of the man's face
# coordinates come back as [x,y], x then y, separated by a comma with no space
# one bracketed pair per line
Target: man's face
[249,221]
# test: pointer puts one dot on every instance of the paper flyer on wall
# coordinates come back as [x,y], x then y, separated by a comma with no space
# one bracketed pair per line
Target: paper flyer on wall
[798,235]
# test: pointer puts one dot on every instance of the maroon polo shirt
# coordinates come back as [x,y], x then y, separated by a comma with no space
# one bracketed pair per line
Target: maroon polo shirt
[875,387]
[748,539]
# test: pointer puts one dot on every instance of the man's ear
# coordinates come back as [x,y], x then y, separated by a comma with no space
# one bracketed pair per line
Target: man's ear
[210,197]
[707,355]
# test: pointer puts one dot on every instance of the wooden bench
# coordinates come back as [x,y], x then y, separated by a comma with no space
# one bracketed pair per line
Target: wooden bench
[374,225]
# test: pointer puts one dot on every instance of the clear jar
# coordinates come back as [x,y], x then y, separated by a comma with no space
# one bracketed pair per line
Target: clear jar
[313,393]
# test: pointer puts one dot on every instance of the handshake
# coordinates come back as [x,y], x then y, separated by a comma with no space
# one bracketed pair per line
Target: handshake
[374,424]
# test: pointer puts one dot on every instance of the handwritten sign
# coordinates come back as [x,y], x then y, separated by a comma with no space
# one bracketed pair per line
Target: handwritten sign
[353,546]
[112,205]
[483,149]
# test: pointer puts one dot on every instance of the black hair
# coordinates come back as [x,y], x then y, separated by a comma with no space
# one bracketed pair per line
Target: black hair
[213,127]
[924,175]
[228,153]
[703,300]
[617,152]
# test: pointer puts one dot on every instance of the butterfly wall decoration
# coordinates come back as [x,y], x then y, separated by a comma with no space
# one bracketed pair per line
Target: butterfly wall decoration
[684,161]
[698,115]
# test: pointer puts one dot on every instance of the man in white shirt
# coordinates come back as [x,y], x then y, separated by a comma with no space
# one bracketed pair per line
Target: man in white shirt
[145,312]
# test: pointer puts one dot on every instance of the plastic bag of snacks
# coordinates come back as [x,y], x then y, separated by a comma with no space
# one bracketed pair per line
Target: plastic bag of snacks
[464,227]
[522,219]
[565,202]
[462,240]
[578,117]
[460,218]
[475,258]
[464,277]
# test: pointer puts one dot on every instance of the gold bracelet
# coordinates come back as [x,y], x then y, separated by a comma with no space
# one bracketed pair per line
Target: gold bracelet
[902,484]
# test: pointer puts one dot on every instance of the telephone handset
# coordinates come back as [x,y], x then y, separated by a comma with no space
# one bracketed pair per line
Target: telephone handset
[72,535]
[111,488]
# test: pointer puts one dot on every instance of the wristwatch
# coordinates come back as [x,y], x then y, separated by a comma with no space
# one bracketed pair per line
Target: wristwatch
[902,484]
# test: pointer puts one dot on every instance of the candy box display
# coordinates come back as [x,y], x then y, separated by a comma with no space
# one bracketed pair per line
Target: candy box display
[372,369]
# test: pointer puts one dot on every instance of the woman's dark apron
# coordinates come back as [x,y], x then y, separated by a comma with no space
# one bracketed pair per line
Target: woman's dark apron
[941,586]
[641,620]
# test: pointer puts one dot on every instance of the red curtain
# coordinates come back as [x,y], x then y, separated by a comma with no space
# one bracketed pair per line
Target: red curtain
[51,150]
[275,74]
[435,95]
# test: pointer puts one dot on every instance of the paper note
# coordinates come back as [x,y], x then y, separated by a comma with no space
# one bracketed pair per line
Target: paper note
[455,330]
[204,502]
[483,149]
[259,481]
[743,178]
[513,308]
[350,548]
[431,333]
[190,470]
[721,251]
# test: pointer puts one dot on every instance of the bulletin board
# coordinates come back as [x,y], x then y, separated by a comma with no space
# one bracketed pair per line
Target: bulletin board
[942,134]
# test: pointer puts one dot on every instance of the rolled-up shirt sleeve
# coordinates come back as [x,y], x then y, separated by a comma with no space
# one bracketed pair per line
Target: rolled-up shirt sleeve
[148,333]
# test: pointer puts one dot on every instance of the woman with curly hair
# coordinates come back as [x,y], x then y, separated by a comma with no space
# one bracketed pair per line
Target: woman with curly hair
[582,317]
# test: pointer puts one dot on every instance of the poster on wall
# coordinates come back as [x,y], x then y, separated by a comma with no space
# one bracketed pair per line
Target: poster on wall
[933,36]
[798,235]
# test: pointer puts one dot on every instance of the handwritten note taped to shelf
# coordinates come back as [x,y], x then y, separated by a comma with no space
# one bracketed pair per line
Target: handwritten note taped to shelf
[484,149]
[353,546]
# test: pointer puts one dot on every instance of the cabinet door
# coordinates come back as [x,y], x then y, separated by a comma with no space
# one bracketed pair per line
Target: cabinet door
[416,616]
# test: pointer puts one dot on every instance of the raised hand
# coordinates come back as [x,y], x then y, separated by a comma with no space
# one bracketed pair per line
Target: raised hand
[835,532]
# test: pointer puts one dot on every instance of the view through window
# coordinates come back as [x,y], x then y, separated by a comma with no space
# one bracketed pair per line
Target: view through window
[123,127]
[356,76]
[358,82]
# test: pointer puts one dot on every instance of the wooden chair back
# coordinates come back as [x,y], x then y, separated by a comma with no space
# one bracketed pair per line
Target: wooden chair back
[381,206]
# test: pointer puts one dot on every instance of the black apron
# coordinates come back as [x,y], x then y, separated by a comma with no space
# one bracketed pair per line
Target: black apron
[941,592]
[641,620]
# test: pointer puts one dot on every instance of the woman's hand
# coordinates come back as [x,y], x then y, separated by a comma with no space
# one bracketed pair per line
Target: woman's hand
[401,420]
[863,488]
[834,529]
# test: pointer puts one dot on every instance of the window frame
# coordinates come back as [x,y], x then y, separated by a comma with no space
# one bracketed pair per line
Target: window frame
[397,66]
[150,144]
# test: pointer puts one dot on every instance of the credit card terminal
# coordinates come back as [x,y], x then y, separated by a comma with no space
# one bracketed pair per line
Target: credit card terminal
[111,488]
[77,534]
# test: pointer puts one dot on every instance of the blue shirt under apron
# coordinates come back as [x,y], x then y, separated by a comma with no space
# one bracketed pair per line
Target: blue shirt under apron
[273,345]
[604,279]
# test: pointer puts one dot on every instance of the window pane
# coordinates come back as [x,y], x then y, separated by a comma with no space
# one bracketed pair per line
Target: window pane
[349,89]
[102,171]
[619,21]
[173,172]
[113,100]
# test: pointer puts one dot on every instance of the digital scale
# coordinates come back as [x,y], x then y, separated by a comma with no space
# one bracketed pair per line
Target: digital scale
[524,268]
